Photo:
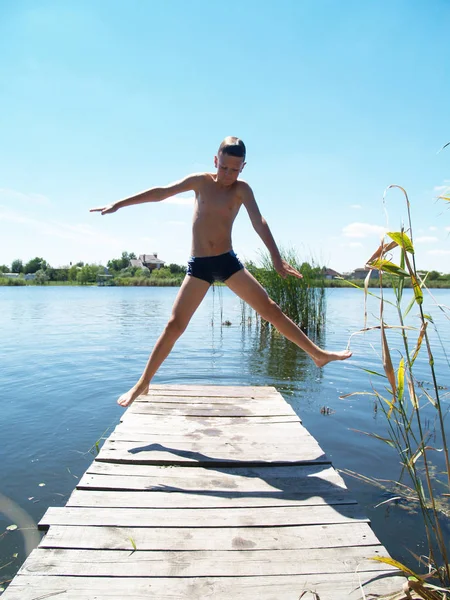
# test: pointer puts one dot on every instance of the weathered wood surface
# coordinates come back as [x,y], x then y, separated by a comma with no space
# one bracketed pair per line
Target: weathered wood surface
[207,492]
[218,563]
[337,586]
[267,516]
[336,535]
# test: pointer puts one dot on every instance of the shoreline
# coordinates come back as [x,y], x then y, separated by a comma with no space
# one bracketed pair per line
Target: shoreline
[334,283]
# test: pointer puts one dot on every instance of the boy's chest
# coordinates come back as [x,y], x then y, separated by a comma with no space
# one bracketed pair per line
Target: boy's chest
[225,204]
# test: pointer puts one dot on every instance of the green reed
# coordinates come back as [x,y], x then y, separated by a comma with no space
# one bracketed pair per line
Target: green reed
[302,300]
[406,403]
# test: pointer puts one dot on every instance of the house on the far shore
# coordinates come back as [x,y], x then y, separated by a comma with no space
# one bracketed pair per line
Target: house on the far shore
[330,273]
[149,261]
[362,273]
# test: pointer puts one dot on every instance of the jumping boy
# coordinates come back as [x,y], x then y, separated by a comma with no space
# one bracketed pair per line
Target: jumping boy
[218,198]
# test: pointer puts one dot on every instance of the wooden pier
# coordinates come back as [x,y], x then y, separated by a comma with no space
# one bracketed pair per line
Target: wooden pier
[207,492]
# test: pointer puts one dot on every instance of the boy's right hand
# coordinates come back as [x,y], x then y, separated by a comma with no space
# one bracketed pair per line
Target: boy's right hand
[105,210]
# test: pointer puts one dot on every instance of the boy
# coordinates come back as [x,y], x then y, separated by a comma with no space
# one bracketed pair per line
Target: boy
[218,198]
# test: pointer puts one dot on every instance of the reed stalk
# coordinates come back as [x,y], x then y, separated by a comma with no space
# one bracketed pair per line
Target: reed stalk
[406,421]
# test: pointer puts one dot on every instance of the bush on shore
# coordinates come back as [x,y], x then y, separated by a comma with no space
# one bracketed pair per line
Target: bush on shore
[12,281]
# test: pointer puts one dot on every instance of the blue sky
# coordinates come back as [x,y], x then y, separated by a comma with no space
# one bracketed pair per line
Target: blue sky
[334,100]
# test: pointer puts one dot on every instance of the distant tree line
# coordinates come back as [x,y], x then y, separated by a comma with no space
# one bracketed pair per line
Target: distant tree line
[118,270]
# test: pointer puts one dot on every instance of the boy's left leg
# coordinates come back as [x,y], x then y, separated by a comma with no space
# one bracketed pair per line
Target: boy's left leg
[189,297]
[246,287]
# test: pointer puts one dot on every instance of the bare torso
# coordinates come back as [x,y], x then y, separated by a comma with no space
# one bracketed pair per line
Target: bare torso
[216,208]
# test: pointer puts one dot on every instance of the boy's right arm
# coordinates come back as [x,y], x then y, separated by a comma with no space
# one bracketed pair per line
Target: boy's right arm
[189,183]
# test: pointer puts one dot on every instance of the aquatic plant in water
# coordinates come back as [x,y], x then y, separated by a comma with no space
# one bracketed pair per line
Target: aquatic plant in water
[302,300]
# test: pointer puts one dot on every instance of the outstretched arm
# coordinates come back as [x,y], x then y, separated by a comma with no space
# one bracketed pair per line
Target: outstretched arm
[262,229]
[153,195]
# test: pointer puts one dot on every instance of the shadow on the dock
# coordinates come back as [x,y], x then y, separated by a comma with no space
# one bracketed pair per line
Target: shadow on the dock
[279,476]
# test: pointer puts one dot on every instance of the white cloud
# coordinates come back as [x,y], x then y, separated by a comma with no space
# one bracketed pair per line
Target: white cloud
[432,228]
[355,206]
[181,201]
[362,230]
[438,252]
[352,245]
[426,239]
[14,196]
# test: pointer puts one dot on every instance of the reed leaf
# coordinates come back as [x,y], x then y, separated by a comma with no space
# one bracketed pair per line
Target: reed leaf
[373,373]
[412,394]
[402,240]
[389,267]
[387,362]
[357,394]
[395,563]
[419,343]
[415,283]
[381,251]
[417,289]
[409,307]
[417,454]
[430,398]
[387,441]
[401,379]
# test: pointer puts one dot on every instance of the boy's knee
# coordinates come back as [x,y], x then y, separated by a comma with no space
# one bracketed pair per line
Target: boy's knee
[271,311]
[175,327]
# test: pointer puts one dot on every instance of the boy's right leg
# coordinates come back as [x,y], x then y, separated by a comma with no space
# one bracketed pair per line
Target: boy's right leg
[190,295]
[247,287]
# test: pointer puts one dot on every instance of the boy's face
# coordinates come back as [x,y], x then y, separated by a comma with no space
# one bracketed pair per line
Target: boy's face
[228,168]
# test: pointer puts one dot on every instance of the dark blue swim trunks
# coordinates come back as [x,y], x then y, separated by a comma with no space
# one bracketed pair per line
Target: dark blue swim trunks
[214,268]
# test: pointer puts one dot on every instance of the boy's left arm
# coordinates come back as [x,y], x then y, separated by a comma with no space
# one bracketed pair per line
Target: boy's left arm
[262,229]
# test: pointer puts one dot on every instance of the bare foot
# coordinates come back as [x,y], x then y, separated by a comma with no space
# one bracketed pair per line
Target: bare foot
[327,357]
[137,390]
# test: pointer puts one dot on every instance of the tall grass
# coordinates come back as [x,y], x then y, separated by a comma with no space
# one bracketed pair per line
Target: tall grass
[302,300]
[406,405]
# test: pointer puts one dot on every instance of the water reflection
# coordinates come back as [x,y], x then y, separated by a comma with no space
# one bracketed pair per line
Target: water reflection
[272,355]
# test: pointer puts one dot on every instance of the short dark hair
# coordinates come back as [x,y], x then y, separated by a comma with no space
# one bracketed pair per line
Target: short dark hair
[233,146]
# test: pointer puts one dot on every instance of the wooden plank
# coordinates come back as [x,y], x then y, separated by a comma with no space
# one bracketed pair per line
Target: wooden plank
[260,409]
[206,517]
[244,479]
[286,432]
[236,391]
[183,499]
[170,422]
[274,399]
[214,427]
[256,482]
[215,538]
[217,452]
[339,586]
[248,563]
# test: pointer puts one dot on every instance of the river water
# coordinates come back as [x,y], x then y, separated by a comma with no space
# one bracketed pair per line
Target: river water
[67,353]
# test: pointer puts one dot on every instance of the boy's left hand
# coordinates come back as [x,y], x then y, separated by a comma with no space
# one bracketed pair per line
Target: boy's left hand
[284,269]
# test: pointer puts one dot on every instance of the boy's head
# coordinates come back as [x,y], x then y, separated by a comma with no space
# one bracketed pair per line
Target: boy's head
[230,160]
